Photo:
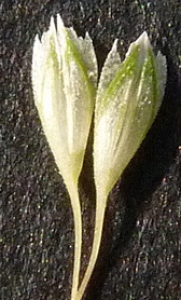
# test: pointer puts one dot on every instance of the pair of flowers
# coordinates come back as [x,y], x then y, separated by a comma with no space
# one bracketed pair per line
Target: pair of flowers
[124,102]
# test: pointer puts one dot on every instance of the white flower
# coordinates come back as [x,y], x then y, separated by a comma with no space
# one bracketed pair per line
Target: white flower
[64,77]
[128,98]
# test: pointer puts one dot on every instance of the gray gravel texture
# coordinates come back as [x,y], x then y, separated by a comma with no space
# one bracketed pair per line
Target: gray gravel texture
[140,256]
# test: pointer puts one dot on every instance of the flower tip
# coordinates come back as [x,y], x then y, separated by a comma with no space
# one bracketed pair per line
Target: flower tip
[143,41]
[87,36]
[37,47]
[52,28]
[62,33]
[60,23]
[51,22]
[143,36]
[114,46]
[37,40]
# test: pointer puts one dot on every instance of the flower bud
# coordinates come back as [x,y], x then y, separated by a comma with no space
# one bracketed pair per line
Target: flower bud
[64,77]
[128,99]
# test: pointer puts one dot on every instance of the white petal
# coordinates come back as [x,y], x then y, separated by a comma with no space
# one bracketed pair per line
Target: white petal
[109,70]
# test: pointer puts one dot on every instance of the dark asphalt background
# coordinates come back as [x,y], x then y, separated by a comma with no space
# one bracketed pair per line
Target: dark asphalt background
[141,248]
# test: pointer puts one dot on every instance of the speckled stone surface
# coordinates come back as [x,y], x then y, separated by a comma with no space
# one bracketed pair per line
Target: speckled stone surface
[140,257]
